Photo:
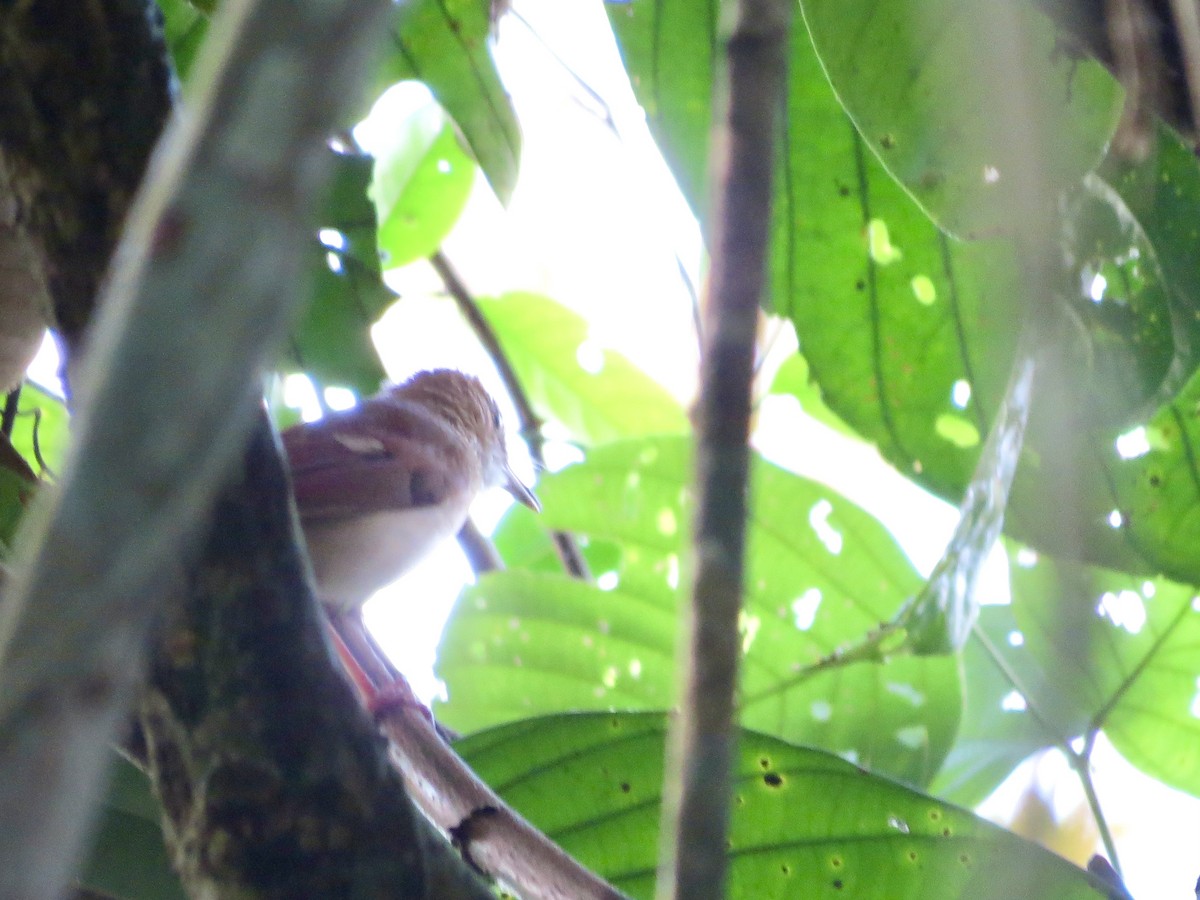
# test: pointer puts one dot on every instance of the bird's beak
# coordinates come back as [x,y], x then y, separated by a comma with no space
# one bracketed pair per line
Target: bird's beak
[520,492]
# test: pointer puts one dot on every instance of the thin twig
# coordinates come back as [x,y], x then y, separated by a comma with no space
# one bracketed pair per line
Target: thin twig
[528,422]
[9,418]
[1081,762]
[35,438]
[697,786]
[479,549]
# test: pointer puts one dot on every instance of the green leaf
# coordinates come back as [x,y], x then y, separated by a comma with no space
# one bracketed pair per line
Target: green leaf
[421,181]
[998,730]
[185,28]
[42,428]
[669,48]
[445,43]
[911,335]
[332,342]
[1103,650]
[895,344]
[924,90]
[128,859]
[821,573]
[1160,195]
[794,379]
[597,400]
[16,492]
[804,823]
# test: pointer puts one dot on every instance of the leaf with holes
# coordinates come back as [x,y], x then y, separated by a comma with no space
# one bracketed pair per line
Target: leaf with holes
[820,574]
[804,823]
[1100,649]
[939,109]
[910,335]
[597,394]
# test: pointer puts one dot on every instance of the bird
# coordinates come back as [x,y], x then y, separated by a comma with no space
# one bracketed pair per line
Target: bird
[381,484]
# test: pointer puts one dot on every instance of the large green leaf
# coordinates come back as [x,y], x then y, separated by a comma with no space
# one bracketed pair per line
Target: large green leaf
[607,400]
[804,823]
[821,573]
[422,178]
[669,47]
[444,43]
[923,88]
[910,334]
[1103,650]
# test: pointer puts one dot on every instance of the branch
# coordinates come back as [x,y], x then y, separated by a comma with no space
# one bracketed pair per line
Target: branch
[195,305]
[530,425]
[749,97]
[480,551]
[489,834]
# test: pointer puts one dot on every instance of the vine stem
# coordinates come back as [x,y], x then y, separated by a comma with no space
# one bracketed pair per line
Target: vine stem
[1081,763]
[1078,760]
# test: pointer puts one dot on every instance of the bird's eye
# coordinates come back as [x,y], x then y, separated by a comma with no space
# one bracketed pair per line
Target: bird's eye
[495,414]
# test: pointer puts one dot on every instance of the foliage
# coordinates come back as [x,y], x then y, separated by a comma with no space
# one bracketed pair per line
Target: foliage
[894,266]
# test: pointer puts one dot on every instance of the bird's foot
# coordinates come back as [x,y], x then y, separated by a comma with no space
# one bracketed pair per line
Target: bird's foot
[394,698]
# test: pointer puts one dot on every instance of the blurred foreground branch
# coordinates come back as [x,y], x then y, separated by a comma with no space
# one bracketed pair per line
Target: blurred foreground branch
[749,97]
[196,302]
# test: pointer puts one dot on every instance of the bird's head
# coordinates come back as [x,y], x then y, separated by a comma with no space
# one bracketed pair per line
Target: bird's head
[466,405]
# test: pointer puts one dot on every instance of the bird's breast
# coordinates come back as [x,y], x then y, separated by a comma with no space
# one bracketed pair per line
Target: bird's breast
[353,558]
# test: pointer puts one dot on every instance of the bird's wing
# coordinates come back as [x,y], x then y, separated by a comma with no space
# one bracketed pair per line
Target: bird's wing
[336,474]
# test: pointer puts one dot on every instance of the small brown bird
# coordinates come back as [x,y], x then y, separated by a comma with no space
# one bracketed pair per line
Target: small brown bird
[379,485]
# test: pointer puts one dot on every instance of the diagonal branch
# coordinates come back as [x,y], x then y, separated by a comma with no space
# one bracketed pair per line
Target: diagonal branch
[194,307]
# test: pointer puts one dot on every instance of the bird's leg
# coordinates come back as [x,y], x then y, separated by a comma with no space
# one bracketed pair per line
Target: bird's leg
[363,647]
[381,684]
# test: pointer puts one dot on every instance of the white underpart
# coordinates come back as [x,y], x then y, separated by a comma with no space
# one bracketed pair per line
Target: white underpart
[354,559]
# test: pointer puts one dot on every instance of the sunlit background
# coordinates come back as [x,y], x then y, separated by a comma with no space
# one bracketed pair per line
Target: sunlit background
[597,224]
